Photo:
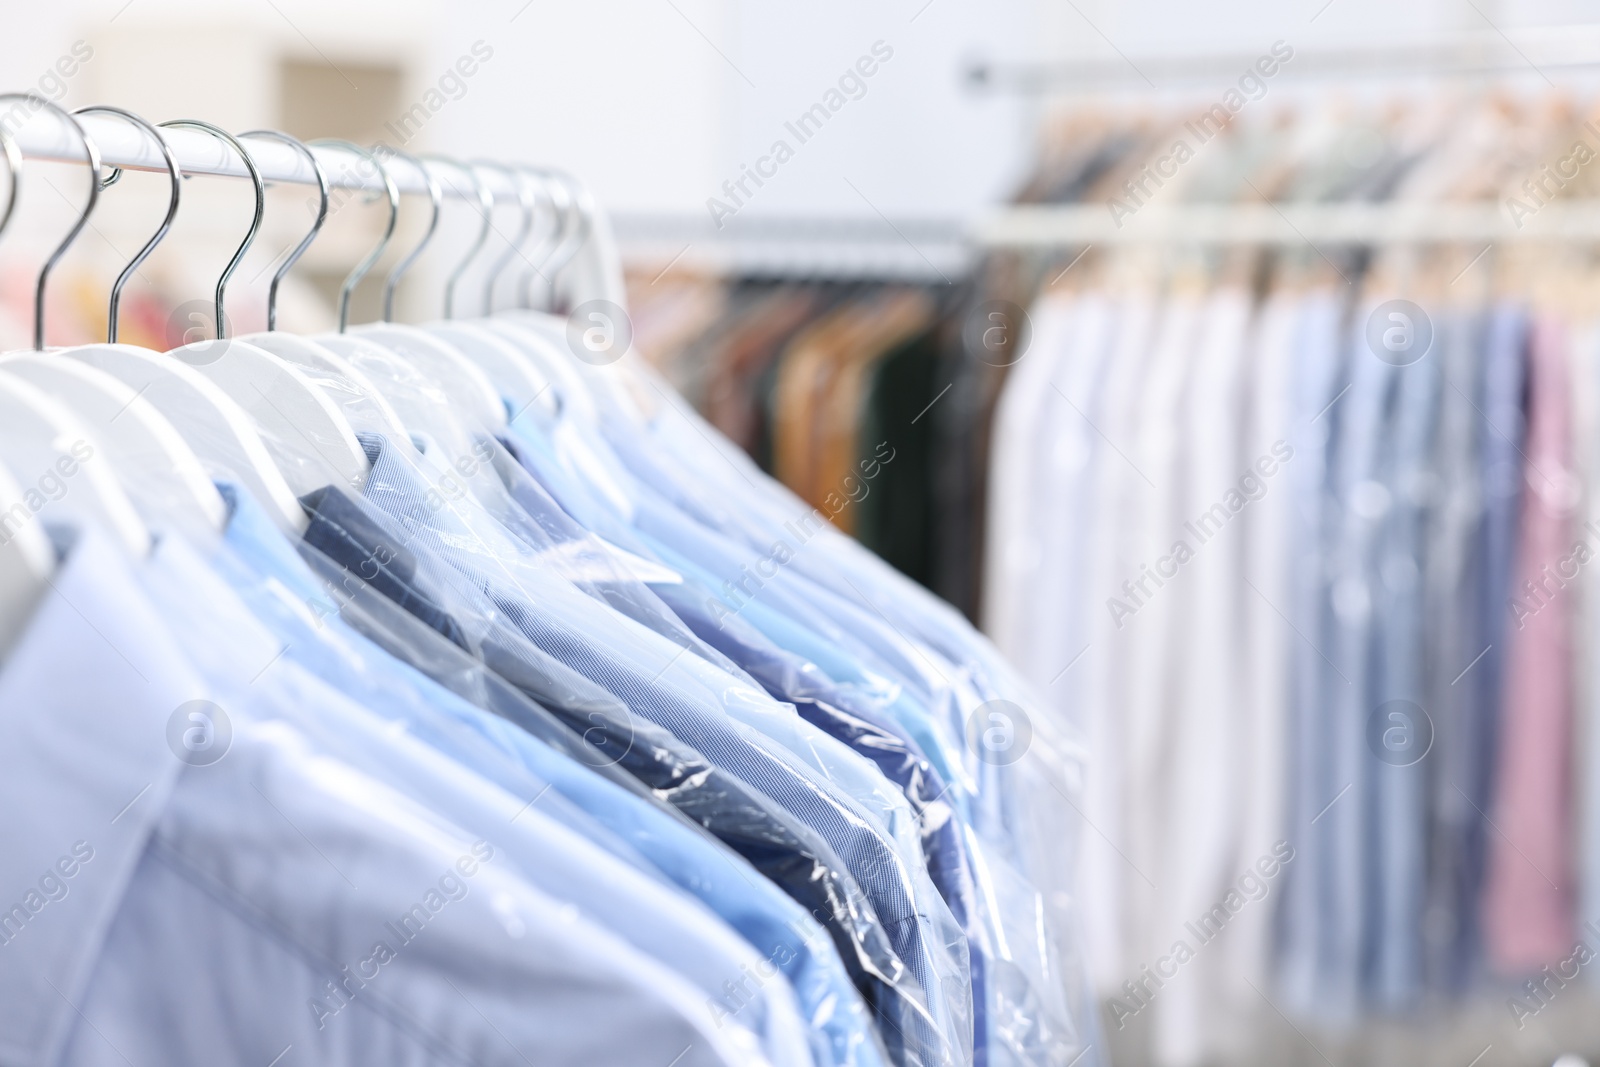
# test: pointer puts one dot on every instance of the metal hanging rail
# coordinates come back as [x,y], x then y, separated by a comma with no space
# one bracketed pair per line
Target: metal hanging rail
[1044,227]
[44,136]
[1542,51]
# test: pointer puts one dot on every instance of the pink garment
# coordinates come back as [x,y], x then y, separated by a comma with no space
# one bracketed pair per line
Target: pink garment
[1529,909]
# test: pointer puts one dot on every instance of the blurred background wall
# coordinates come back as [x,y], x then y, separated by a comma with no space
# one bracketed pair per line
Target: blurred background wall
[657,103]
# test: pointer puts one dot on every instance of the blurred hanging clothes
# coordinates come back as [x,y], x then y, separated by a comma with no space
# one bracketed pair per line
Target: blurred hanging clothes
[1528,895]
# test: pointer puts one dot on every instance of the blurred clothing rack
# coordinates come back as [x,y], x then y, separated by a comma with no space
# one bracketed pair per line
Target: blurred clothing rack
[1045,227]
[838,247]
[1537,51]
[913,251]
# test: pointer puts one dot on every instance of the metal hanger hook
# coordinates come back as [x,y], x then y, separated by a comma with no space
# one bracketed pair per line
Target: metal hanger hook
[486,210]
[435,200]
[174,175]
[582,204]
[525,201]
[13,154]
[316,227]
[561,201]
[92,154]
[353,279]
[255,222]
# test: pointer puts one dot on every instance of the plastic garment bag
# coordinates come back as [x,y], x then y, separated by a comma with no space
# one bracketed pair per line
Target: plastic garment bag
[370,575]
[638,907]
[659,683]
[924,644]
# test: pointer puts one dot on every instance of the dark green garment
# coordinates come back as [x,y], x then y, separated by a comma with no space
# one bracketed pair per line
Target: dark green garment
[896,518]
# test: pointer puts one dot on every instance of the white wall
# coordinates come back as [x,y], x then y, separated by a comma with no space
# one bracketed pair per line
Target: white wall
[642,96]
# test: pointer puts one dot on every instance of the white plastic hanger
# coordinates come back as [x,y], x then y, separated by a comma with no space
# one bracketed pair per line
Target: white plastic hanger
[360,401]
[215,428]
[26,564]
[569,237]
[538,334]
[64,471]
[466,387]
[303,429]
[547,337]
[478,401]
[26,558]
[515,377]
[161,473]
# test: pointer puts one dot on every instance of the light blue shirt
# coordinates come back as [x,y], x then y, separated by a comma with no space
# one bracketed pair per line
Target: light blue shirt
[658,683]
[242,662]
[287,901]
[273,580]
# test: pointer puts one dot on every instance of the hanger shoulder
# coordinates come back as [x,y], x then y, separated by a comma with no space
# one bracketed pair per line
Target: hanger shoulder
[160,471]
[307,433]
[513,374]
[65,470]
[367,409]
[26,563]
[468,387]
[216,428]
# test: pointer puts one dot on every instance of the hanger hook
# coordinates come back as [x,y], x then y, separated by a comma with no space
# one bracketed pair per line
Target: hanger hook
[525,201]
[174,175]
[353,279]
[13,154]
[561,204]
[316,227]
[547,241]
[486,210]
[581,202]
[255,221]
[435,199]
[35,101]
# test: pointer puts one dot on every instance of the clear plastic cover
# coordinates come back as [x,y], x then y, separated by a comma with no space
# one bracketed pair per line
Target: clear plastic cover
[460,563]
[362,555]
[1023,813]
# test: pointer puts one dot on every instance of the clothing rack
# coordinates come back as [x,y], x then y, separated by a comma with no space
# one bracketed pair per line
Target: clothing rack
[1030,227]
[851,248]
[836,247]
[122,144]
[594,271]
[1538,51]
